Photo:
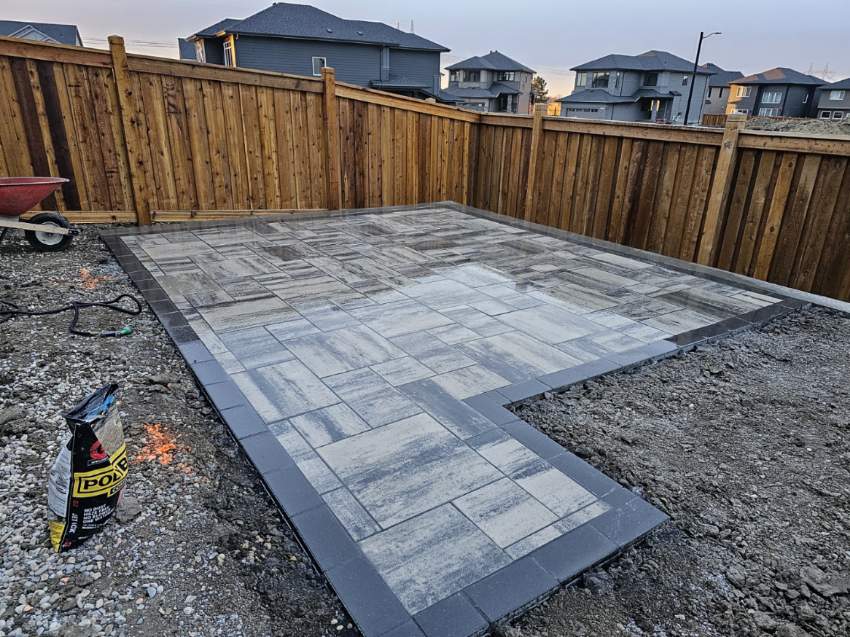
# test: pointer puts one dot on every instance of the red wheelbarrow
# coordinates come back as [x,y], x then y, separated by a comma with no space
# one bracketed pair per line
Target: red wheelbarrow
[48,231]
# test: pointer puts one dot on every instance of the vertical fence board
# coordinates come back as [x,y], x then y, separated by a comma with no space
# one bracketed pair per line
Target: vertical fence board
[196,126]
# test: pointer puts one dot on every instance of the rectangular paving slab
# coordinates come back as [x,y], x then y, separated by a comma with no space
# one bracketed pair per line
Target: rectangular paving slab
[363,361]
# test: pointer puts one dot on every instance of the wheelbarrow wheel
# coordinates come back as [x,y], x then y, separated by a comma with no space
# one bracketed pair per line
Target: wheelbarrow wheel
[46,241]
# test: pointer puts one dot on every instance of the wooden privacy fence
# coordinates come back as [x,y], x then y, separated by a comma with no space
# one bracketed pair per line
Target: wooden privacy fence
[138,134]
[772,206]
[714,119]
[144,137]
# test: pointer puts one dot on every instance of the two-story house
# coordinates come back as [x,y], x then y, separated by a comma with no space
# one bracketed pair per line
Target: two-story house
[41,32]
[300,39]
[833,100]
[653,86]
[494,83]
[718,88]
[779,92]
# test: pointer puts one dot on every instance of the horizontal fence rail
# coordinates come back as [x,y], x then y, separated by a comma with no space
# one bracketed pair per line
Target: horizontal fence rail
[145,138]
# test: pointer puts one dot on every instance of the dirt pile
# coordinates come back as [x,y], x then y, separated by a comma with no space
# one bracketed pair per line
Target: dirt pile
[746,445]
[809,126]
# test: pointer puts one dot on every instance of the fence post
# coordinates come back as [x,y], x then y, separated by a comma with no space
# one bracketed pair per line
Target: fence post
[721,187]
[536,137]
[121,72]
[332,150]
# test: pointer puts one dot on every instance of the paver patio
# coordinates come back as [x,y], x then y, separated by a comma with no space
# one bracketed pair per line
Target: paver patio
[363,361]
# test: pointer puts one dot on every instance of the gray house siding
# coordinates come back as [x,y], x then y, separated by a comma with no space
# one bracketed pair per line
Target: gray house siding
[798,102]
[186,48]
[630,82]
[831,107]
[715,100]
[587,110]
[214,51]
[420,66]
[354,63]
[629,112]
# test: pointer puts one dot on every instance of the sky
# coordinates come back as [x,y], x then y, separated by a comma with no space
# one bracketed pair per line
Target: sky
[549,36]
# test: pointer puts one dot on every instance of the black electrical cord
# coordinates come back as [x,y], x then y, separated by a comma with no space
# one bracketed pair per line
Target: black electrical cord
[9,310]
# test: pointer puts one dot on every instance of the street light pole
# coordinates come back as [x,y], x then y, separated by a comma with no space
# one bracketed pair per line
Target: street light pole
[702,37]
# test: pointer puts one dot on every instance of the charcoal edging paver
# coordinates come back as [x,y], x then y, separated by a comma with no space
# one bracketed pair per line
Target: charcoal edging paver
[505,592]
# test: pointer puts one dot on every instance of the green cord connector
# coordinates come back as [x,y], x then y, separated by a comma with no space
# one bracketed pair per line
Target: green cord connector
[124,331]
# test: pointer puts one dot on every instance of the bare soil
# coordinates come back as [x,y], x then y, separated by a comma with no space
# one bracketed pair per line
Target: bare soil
[808,125]
[745,444]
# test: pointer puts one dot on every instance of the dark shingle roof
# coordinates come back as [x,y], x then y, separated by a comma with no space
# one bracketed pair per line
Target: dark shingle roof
[470,92]
[601,96]
[218,27]
[719,76]
[597,96]
[62,33]
[781,75]
[655,94]
[495,89]
[840,84]
[648,61]
[284,20]
[493,61]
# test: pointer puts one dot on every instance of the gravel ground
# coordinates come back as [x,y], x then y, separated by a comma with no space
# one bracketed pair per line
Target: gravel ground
[199,548]
[744,444]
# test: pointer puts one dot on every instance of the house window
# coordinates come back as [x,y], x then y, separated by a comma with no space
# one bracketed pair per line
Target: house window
[742,111]
[836,96]
[600,79]
[505,76]
[806,98]
[825,114]
[453,76]
[617,77]
[581,79]
[771,97]
[318,63]
[768,111]
[744,91]
[650,79]
[200,51]
[229,53]
[837,115]
[472,76]
[685,80]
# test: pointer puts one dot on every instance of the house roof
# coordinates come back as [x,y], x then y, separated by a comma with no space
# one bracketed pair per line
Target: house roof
[285,20]
[655,94]
[218,27]
[647,61]
[597,96]
[493,61]
[780,75]
[495,89]
[61,33]
[471,92]
[601,96]
[720,77]
[840,84]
